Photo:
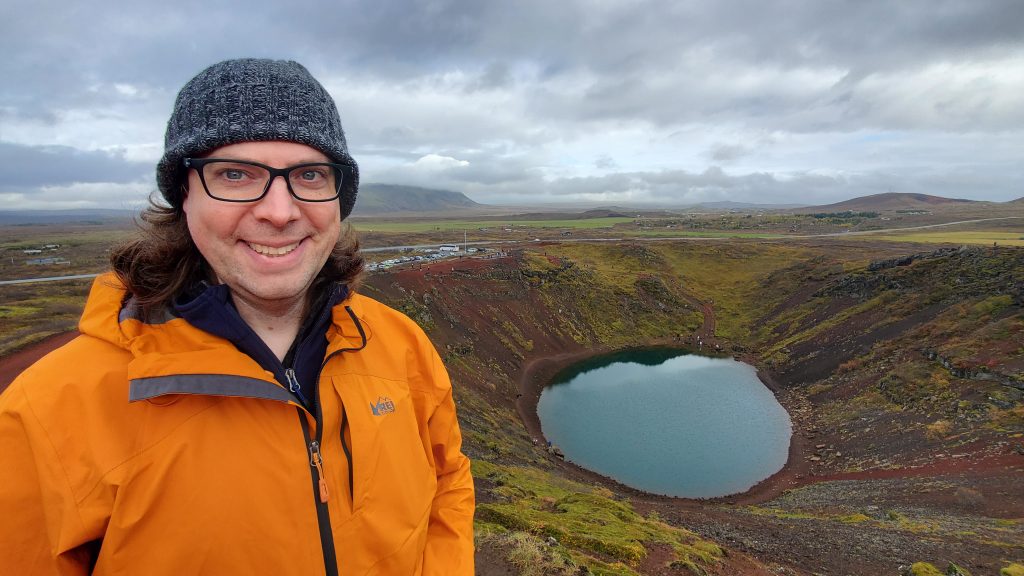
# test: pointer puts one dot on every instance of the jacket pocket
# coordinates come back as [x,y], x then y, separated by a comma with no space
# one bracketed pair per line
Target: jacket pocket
[391,470]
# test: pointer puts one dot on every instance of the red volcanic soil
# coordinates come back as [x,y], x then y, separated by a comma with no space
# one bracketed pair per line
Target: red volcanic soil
[968,483]
[14,364]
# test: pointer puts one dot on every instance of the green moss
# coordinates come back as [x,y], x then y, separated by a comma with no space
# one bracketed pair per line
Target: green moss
[924,569]
[991,305]
[583,519]
[831,323]
[956,570]
[854,518]
[18,311]
[529,554]
[819,388]
[521,341]
[1012,570]
[782,514]
[418,312]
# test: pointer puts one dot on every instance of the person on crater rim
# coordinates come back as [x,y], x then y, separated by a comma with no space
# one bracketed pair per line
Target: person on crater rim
[233,405]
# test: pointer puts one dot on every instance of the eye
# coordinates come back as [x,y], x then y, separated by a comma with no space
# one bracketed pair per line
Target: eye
[312,174]
[234,173]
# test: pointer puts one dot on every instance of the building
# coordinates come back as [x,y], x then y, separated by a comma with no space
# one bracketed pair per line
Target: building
[45,261]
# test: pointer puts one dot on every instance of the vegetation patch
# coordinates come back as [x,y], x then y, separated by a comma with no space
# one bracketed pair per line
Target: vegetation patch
[405,226]
[588,522]
[924,569]
[956,237]
[530,554]
[1012,570]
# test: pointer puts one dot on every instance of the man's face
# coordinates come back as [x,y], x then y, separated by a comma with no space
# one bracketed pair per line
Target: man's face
[269,251]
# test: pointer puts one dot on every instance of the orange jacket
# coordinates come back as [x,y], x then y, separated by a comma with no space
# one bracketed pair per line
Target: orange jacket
[160,449]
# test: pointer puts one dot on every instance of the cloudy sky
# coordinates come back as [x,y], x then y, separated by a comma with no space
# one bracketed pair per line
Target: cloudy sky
[538,101]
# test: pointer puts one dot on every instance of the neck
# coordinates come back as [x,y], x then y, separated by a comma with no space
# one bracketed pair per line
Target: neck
[277,324]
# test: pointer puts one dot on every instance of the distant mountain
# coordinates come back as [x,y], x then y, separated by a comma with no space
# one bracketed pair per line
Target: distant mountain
[563,214]
[738,206]
[391,198]
[79,216]
[891,201]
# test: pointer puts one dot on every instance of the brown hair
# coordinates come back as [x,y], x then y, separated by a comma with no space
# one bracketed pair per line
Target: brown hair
[161,261]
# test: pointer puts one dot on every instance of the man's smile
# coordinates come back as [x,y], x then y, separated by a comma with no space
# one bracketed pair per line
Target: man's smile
[271,250]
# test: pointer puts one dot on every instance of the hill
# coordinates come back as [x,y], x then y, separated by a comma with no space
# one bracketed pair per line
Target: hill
[393,198]
[77,216]
[890,202]
[730,206]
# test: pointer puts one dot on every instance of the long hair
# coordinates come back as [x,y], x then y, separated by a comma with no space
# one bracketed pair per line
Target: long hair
[161,261]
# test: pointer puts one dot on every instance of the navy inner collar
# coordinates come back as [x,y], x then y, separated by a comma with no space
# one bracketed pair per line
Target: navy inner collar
[210,308]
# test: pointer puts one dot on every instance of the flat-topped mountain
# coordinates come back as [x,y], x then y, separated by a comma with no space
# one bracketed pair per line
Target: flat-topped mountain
[392,198]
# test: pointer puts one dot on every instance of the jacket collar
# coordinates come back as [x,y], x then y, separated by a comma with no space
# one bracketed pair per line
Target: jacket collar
[350,330]
[170,346]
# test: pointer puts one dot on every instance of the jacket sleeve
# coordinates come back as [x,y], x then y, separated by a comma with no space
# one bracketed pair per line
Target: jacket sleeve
[41,531]
[449,549]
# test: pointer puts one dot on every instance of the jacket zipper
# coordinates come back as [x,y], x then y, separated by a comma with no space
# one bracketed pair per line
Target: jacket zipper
[316,459]
[323,517]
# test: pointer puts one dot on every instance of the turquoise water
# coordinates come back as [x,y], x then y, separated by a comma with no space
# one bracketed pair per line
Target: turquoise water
[688,426]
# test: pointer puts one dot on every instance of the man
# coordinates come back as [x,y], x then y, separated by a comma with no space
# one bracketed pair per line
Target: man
[233,406]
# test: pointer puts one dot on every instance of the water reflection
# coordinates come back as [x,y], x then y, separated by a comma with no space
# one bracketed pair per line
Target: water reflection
[681,425]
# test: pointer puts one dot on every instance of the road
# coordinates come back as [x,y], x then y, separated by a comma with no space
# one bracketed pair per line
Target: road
[48,279]
[629,238]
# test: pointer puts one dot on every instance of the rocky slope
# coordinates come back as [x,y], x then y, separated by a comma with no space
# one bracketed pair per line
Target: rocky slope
[901,368]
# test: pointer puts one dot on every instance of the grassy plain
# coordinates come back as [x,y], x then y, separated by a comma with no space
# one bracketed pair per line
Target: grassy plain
[82,249]
[417,225]
[981,237]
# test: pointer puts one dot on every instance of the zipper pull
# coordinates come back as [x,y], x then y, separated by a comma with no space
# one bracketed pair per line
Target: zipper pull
[293,381]
[294,387]
[317,462]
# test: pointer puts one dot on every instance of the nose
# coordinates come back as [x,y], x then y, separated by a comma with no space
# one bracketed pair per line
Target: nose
[278,207]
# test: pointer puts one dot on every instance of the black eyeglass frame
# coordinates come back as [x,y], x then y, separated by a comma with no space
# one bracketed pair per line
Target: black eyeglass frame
[198,163]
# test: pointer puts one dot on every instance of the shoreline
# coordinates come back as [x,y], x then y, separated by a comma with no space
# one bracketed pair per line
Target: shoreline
[539,372]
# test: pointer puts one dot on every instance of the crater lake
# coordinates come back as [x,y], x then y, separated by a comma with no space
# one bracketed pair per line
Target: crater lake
[679,425]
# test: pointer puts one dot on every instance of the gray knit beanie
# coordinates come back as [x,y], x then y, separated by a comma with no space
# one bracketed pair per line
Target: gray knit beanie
[250,100]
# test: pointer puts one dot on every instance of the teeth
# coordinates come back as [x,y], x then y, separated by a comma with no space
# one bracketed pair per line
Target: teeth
[271,251]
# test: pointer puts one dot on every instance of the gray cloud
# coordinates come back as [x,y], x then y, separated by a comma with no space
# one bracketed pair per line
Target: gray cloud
[796,99]
[27,167]
[725,153]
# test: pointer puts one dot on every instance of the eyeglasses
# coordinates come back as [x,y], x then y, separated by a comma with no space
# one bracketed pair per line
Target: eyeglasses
[243,181]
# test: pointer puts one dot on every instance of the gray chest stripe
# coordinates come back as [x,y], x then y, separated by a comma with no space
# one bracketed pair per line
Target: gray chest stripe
[206,384]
